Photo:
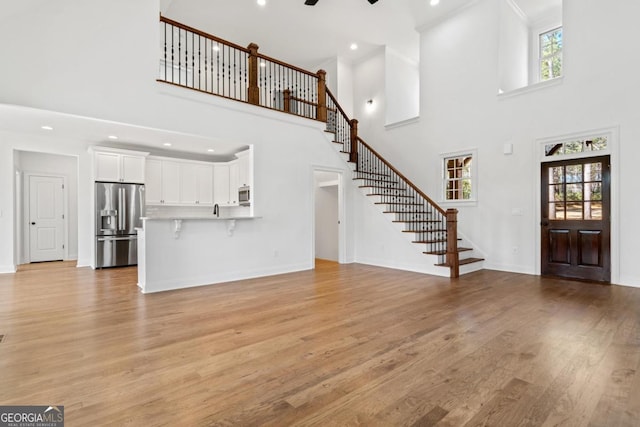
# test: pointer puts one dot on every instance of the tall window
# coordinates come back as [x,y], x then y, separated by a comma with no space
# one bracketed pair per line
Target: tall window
[458,177]
[550,58]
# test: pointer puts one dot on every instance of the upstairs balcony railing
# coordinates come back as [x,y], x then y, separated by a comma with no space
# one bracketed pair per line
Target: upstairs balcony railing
[206,63]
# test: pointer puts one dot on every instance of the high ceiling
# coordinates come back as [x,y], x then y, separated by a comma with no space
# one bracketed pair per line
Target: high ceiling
[307,36]
[288,30]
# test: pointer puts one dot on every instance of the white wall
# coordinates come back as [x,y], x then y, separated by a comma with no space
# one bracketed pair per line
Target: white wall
[369,83]
[460,110]
[52,164]
[402,87]
[514,48]
[340,82]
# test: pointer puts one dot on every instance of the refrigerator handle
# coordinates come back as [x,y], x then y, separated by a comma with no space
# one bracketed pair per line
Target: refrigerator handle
[124,209]
[120,210]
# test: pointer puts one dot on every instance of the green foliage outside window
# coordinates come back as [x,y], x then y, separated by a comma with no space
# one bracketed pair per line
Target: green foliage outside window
[551,54]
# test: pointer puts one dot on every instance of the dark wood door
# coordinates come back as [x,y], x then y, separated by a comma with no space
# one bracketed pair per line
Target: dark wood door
[575,225]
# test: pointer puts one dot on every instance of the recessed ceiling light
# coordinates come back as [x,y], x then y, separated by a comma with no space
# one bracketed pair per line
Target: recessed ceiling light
[434,2]
[216,48]
[46,127]
[263,64]
[167,144]
[353,46]
[112,137]
[262,2]
[211,150]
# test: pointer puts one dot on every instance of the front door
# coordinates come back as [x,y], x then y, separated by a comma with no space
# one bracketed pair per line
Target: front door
[46,218]
[575,225]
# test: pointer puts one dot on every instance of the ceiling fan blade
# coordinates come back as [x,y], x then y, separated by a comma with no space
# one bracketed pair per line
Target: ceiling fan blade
[310,2]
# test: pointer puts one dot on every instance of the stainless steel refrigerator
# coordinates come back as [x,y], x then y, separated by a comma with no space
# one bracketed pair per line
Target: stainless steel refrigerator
[118,211]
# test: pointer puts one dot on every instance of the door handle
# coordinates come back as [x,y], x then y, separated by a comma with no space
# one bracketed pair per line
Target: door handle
[33,223]
[544,223]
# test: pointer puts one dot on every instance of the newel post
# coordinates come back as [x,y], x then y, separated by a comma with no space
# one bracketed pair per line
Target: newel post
[322,96]
[353,156]
[287,100]
[253,91]
[452,242]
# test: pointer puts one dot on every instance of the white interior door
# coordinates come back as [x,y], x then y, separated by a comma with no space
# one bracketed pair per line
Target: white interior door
[46,218]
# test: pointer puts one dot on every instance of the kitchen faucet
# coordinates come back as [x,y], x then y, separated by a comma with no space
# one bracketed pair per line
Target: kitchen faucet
[216,210]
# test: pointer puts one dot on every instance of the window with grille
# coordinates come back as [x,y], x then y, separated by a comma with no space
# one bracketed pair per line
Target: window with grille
[550,54]
[459,182]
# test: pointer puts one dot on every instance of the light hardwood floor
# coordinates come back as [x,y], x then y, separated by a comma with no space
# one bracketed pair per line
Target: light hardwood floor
[341,345]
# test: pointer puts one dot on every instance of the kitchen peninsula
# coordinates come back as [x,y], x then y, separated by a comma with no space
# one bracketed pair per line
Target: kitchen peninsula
[184,251]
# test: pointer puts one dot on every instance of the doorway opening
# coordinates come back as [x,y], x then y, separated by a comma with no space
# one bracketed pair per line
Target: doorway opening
[328,242]
[46,207]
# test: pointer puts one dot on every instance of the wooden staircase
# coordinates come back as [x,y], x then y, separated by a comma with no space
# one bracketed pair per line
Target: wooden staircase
[431,227]
[292,90]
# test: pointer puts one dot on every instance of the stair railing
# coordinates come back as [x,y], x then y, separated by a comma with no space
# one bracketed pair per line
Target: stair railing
[407,201]
[203,62]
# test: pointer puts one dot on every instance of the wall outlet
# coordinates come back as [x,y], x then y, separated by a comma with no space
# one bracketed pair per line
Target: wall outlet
[275,253]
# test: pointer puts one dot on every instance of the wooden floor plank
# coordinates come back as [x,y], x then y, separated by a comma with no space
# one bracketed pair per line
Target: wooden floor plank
[338,345]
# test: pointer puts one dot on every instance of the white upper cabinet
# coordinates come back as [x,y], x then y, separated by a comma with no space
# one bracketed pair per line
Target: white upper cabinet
[221,184]
[153,182]
[204,175]
[179,182]
[119,165]
[233,182]
[170,182]
[245,169]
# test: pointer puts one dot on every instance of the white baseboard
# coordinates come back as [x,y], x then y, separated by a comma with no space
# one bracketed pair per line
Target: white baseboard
[426,269]
[212,279]
[7,269]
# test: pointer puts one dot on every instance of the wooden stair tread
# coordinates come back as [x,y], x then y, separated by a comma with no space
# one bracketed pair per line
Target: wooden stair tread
[384,188]
[444,252]
[391,195]
[418,221]
[408,213]
[376,180]
[428,242]
[398,203]
[371,173]
[424,231]
[465,261]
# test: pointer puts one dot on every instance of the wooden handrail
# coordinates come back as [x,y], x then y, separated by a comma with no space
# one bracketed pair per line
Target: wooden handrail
[202,33]
[335,103]
[303,101]
[411,184]
[284,64]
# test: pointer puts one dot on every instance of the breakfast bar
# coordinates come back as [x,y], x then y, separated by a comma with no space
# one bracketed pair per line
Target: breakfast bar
[184,251]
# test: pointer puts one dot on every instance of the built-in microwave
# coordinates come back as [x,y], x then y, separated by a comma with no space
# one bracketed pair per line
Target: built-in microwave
[244,196]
